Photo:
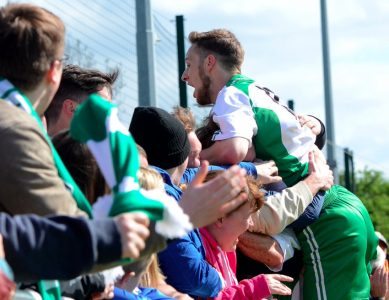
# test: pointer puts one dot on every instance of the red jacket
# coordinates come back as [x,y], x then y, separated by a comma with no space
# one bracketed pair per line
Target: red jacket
[225,263]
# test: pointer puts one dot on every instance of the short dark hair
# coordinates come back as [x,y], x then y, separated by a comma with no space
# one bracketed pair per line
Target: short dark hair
[76,84]
[31,39]
[223,44]
[81,165]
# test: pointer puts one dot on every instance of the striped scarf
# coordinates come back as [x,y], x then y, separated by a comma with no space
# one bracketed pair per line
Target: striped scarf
[12,95]
[49,289]
[96,123]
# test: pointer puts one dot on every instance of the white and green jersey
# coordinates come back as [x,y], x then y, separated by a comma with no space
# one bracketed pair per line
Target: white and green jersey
[242,109]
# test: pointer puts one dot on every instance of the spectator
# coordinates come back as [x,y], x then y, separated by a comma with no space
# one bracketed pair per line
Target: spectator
[76,85]
[220,240]
[186,117]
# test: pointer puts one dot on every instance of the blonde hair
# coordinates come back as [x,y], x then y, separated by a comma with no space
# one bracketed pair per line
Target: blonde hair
[149,179]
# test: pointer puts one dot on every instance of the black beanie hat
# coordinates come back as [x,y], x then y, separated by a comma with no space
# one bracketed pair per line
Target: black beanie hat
[161,135]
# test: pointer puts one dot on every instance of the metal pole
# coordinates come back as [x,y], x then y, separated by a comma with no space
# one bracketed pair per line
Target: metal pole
[347,177]
[327,91]
[145,54]
[181,59]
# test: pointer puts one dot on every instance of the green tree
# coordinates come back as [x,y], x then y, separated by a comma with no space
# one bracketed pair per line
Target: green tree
[373,189]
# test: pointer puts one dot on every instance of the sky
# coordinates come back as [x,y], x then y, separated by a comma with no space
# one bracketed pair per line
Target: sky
[282,42]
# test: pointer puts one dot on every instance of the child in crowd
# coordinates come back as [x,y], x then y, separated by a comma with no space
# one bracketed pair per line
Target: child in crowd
[220,239]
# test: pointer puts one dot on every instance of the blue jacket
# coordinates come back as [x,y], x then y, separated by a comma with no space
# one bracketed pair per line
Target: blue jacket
[183,263]
[190,173]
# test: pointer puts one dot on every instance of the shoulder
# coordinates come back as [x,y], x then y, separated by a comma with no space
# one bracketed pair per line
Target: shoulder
[13,117]
[231,96]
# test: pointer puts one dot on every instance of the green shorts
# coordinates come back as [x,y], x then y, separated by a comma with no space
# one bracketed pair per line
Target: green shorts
[337,249]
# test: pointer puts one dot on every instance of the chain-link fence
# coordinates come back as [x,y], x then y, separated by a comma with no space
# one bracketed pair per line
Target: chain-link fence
[103,36]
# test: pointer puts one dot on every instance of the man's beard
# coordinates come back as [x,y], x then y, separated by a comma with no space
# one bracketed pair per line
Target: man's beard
[203,94]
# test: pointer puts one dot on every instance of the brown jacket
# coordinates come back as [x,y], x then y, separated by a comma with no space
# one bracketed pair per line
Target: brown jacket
[29,181]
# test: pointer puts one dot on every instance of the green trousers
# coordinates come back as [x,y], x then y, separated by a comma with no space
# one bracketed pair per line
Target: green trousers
[337,249]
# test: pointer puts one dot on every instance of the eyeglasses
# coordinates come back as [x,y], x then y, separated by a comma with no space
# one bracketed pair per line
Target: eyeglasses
[64,58]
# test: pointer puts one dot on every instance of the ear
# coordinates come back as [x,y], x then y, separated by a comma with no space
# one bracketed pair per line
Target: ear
[54,73]
[68,107]
[210,62]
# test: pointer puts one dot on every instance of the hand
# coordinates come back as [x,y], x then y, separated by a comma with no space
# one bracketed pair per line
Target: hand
[267,172]
[133,232]
[204,203]
[275,285]
[320,175]
[311,122]
[379,282]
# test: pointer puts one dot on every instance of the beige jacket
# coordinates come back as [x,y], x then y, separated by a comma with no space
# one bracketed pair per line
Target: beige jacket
[281,209]
[29,179]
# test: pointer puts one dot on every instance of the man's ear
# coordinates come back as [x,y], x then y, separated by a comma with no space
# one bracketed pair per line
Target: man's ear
[210,62]
[68,107]
[54,73]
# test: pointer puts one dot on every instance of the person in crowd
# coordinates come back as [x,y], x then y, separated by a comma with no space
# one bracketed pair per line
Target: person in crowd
[186,117]
[220,239]
[76,85]
[150,283]
[271,131]
[32,46]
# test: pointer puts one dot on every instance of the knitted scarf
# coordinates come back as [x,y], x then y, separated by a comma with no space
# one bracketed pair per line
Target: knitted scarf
[49,289]
[12,95]
[96,123]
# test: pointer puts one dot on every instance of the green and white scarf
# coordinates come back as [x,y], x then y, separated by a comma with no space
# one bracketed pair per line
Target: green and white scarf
[116,155]
[12,95]
[96,123]
[49,289]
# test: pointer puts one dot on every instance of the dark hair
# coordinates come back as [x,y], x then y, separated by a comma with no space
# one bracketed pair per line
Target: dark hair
[185,116]
[76,84]
[206,132]
[223,44]
[256,197]
[82,166]
[31,39]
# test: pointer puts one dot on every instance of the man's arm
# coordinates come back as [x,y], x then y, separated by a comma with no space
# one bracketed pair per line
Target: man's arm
[229,151]
[262,248]
[281,209]
[62,247]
